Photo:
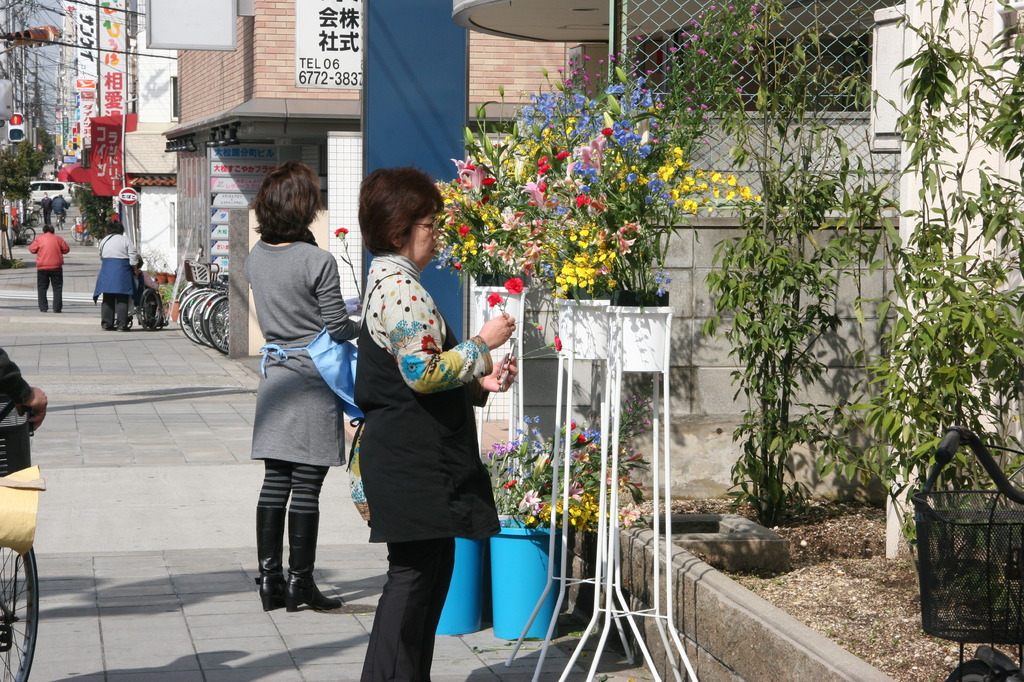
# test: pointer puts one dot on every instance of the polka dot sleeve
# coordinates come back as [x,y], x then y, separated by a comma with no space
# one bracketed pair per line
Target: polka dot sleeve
[404,320]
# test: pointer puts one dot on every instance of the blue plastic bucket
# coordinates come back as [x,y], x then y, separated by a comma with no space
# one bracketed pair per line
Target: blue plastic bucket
[519,574]
[463,605]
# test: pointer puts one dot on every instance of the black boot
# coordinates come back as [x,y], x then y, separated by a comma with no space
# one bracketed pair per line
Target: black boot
[302,532]
[269,540]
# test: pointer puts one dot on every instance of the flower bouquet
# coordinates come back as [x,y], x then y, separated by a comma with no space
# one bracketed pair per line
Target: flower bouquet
[522,475]
[582,193]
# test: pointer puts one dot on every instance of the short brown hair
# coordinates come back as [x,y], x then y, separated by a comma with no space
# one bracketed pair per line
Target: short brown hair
[287,203]
[390,201]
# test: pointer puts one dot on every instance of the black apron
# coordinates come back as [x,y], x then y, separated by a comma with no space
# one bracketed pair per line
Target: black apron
[419,455]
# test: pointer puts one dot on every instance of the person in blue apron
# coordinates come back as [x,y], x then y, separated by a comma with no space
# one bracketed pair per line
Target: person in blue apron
[116,281]
[416,384]
[298,429]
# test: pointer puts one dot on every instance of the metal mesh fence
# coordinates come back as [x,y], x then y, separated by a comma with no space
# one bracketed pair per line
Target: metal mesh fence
[651,32]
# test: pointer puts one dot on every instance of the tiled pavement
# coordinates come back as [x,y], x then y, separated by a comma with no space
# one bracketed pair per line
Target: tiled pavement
[145,531]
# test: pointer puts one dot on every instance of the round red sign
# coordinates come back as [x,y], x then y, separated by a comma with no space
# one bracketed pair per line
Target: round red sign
[128,196]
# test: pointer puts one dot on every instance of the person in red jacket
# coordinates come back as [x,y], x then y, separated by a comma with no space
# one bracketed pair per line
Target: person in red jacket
[49,249]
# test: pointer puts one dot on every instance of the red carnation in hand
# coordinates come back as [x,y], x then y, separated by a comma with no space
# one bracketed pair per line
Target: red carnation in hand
[558,343]
[341,231]
[494,299]
[514,286]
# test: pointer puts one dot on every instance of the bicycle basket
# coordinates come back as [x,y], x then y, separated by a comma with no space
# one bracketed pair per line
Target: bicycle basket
[15,431]
[971,565]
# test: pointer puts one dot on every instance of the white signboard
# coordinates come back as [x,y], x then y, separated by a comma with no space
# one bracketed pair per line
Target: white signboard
[112,36]
[231,184]
[220,168]
[233,200]
[329,44]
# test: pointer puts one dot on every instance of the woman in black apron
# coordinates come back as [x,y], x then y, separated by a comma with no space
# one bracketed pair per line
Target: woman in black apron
[419,454]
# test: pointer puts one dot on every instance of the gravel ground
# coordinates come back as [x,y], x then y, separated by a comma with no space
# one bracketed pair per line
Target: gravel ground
[842,586]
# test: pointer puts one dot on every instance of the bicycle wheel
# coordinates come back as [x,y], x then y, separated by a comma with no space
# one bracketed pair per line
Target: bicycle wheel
[151,310]
[972,671]
[19,603]
[215,324]
[199,313]
[25,235]
[190,305]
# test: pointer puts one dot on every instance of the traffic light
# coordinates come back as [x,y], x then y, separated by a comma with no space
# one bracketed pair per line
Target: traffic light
[34,36]
[16,128]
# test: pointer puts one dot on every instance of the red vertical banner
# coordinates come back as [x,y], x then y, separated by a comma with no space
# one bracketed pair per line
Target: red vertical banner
[106,159]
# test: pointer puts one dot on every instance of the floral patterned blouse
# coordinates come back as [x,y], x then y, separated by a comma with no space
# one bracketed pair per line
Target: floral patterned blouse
[401,318]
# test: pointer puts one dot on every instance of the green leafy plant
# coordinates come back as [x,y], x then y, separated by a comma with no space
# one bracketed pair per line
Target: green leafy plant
[95,210]
[19,165]
[954,351]
[775,286]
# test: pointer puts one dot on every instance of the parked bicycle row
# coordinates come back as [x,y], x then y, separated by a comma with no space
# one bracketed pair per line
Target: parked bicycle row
[203,306]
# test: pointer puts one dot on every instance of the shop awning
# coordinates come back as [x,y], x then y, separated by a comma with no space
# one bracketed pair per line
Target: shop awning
[74,172]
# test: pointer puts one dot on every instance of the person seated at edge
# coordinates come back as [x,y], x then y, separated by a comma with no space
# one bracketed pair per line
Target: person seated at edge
[419,454]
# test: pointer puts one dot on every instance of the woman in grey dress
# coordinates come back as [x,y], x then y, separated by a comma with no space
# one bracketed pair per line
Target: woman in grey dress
[298,430]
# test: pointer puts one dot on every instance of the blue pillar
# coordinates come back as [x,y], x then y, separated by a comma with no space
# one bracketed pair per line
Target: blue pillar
[414,104]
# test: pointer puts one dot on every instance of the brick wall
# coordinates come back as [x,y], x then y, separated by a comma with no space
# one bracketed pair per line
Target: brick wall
[264,66]
[516,65]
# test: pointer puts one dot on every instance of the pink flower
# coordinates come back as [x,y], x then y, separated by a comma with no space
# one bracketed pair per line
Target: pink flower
[514,286]
[457,266]
[558,343]
[494,299]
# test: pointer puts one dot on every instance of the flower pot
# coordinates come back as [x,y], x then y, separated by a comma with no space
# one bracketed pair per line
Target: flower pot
[463,607]
[519,574]
[583,328]
[161,278]
[643,337]
[172,278]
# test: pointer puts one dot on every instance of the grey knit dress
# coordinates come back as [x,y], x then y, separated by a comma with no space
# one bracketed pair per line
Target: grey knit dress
[297,293]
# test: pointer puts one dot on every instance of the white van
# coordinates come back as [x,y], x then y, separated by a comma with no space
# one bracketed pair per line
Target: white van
[51,187]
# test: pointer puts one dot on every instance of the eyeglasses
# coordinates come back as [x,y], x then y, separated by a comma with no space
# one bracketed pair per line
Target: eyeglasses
[432,224]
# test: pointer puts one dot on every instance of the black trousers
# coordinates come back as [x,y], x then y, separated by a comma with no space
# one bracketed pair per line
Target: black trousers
[401,644]
[45,278]
[114,311]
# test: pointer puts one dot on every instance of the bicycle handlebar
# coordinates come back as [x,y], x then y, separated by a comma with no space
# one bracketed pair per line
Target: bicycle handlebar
[951,443]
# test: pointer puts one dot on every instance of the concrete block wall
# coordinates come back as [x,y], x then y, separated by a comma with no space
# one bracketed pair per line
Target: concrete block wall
[705,410]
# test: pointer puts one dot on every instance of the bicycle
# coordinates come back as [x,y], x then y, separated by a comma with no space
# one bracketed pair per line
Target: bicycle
[21,234]
[203,306]
[19,580]
[82,236]
[62,217]
[971,564]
